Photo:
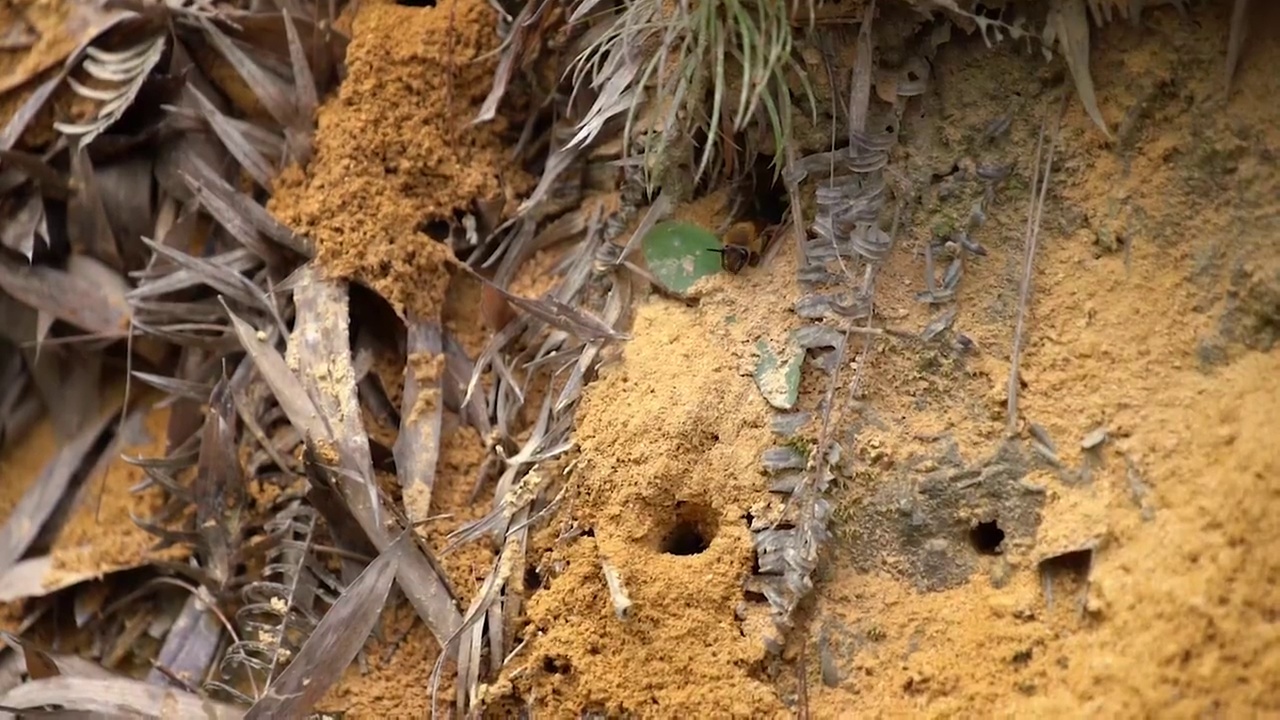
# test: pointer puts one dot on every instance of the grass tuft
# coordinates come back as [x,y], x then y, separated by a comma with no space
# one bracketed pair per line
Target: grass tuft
[693,68]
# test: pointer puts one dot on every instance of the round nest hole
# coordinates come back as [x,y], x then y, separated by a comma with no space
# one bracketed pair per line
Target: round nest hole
[691,530]
[986,537]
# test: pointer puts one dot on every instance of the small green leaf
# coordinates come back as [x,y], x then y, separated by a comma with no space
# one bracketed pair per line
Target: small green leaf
[778,374]
[678,254]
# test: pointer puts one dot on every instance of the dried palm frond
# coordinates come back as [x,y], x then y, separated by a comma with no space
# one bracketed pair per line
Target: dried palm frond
[163,302]
[280,610]
[850,192]
[125,72]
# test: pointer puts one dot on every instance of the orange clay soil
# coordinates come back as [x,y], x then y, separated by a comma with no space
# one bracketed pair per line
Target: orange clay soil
[1154,315]
[396,150]
[100,536]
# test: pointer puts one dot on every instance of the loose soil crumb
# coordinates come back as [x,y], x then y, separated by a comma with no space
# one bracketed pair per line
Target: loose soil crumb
[395,150]
[22,462]
[670,435]
[400,660]
[398,681]
[100,537]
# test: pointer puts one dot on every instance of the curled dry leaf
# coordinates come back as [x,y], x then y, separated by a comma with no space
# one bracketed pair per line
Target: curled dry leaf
[126,71]
[336,640]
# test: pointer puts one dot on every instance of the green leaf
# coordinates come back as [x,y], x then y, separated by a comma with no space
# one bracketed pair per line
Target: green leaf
[678,254]
[778,374]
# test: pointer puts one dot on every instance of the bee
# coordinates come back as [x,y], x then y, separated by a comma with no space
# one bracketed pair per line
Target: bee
[742,246]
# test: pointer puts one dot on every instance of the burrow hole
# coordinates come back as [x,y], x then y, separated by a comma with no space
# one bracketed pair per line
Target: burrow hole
[1074,565]
[691,530]
[436,229]
[986,537]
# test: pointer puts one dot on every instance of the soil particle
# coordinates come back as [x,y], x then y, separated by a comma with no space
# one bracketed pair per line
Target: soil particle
[100,536]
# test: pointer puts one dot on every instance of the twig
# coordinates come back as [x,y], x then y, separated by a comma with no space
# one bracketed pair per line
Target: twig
[617,591]
[1031,237]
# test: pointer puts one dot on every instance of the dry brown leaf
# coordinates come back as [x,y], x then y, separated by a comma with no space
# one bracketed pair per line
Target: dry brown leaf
[88,228]
[215,275]
[178,155]
[219,490]
[26,579]
[420,580]
[417,446]
[335,641]
[324,48]
[172,280]
[30,514]
[321,348]
[306,100]
[52,183]
[24,219]
[190,645]
[116,696]
[239,214]
[67,379]
[286,387]
[20,408]
[556,313]
[125,190]
[43,664]
[81,25]
[269,88]
[512,51]
[87,294]
[237,144]
[23,115]
[1068,23]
